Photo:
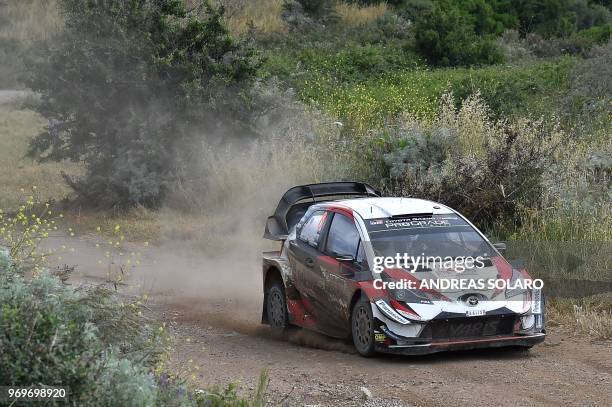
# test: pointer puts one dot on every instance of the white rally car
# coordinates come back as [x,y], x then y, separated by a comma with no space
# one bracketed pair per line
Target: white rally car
[398,275]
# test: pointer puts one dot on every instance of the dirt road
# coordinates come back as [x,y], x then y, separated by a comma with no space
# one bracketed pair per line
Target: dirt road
[212,306]
[306,368]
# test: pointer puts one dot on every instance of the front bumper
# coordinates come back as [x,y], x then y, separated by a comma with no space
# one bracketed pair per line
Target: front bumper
[526,341]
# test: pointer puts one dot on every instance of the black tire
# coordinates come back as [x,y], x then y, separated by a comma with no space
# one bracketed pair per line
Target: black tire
[362,328]
[276,307]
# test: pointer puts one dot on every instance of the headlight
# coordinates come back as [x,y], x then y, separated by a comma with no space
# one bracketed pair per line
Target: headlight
[527,322]
[410,296]
[406,295]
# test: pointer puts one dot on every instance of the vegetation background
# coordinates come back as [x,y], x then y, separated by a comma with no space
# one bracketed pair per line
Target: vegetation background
[157,114]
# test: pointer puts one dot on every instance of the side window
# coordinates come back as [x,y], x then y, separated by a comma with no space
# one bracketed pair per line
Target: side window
[311,230]
[343,237]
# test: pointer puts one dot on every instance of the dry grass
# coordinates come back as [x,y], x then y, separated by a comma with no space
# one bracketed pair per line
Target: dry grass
[17,173]
[264,15]
[590,316]
[138,224]
[30,20]
[352,14]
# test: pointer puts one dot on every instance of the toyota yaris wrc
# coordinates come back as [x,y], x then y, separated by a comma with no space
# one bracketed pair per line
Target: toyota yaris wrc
[397,275]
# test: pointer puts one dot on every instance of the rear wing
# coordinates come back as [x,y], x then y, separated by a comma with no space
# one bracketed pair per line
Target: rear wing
[296,201]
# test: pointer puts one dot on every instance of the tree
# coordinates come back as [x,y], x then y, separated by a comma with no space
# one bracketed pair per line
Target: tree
[123,85]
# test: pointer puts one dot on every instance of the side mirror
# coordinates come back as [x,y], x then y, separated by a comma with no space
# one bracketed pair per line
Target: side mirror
[501,247]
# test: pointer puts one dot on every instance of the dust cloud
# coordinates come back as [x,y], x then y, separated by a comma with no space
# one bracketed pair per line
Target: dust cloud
[206,262]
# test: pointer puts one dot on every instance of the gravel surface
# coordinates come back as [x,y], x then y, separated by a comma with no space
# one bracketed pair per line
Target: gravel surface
[219,331]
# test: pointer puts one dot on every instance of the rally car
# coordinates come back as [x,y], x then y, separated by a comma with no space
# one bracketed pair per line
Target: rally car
[391,273]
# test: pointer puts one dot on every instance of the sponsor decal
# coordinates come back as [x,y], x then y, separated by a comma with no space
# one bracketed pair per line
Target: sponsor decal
[536,303]
[412,222]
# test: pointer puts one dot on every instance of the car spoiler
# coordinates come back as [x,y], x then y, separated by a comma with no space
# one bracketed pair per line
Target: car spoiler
[292,205]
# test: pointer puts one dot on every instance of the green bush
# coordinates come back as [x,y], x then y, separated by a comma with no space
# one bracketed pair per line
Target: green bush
[558,18]
[84,340]
[447,36]
[586,106]
[344,53]
[48,336]
[124,84]
[595,35]
[317,9]
[303,16]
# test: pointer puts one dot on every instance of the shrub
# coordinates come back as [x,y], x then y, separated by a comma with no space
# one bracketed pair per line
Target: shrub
[89,339]
[560,18]
[534,45]
[301,14]
[52,335]
[123,84]
[345,53]
[448,37]
[591,84]
[596,35]
[317,9]
[485,169]
[48,336]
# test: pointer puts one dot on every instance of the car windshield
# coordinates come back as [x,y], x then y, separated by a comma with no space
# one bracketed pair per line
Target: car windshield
[437,235]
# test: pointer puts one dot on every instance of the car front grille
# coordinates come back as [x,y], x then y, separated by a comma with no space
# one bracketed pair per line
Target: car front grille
[465,328]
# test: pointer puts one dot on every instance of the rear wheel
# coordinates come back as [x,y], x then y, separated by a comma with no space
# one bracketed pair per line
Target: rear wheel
[362,323]
[276,307]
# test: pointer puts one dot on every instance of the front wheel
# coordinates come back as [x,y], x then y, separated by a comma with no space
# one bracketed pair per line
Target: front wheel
[276,307]
[362,322]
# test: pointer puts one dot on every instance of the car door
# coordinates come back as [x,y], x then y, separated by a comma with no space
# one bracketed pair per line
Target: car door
[304,256]
[342,259]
